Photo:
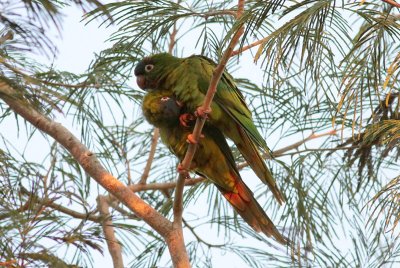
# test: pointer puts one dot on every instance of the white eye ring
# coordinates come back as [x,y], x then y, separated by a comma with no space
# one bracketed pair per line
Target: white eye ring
[165,99]
[148,67]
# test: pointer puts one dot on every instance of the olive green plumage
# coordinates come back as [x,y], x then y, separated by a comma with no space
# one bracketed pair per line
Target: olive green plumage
[188,79]
[213,159]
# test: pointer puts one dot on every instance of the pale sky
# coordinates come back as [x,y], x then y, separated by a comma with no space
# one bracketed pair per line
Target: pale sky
[76,50]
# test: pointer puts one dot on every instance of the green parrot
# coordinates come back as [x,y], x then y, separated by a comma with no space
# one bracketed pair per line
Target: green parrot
[213,158]
[188,79]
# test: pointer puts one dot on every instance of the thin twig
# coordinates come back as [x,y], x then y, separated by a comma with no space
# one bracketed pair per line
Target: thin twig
[228,12]
[321,150]
[73,213]
[280,152]
[35,80]
[178,205]
[156,132]
[199,239]
[10,263]
[48,202]
[153,147]
[298,144]
[256,43]
[8,36]
[123,212]
[113,245]
[51,168]
[391,2]
[124,154]
[172,38]
[163,186]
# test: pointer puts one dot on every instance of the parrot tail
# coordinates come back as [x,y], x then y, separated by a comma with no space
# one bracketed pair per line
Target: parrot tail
[257,163]
[242,199]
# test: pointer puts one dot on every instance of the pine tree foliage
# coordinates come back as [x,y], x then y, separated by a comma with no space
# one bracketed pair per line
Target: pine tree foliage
[326,64]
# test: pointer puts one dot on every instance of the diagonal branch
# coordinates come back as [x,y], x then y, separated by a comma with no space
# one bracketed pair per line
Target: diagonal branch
[113,245]
[392,2]
[282,151]
[277,153]
[164,186]
[92,166]
[178,205]
[153,147]
[256,43]
[86,159]
[299,143]
[199,239]
[48,202]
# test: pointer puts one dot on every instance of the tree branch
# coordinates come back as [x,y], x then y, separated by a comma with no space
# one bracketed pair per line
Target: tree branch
[212,88]
[10,263]
[199,239]
[153,147]
[280,152]
[298,144]
[86,159]
[172,38]
[9,35]
[113,245]
[391,2]
[164,186]
[228,12]
[35,80]
[256,43]
[277,153]
[91,165]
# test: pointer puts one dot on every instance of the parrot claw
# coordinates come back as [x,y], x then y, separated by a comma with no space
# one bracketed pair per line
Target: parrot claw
[181,169]
[201,112]
[184,119]
[192,140]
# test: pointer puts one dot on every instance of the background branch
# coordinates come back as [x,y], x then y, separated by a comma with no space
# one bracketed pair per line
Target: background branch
[113,245]
[153,147]
[92,166]
[392,2]
[47,202]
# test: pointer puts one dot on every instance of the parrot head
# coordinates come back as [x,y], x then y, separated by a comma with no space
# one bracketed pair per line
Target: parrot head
[161,109]
[151,71]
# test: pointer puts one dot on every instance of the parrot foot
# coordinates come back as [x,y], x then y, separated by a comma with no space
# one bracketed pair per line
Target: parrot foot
[192,140]
[184,119]
[181,169]
[201,112]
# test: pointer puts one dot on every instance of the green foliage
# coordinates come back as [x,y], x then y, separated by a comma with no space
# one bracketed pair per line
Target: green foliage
[323,62]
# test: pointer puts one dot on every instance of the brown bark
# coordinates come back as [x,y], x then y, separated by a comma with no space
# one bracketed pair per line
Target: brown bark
[206,106]
[92,166]
[108,229]
[153,147]
[176,247]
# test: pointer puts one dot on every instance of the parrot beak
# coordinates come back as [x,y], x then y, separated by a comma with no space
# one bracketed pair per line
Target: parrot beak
[141,81]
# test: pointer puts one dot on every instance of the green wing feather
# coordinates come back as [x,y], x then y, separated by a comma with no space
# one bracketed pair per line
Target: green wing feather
[189,79]
[228,96]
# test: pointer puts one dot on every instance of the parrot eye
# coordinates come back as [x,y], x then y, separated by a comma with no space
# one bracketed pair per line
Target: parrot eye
[148,67]
[164,99]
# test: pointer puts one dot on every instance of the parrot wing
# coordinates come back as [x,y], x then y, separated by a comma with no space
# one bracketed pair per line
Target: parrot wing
[232,186]
[228,96]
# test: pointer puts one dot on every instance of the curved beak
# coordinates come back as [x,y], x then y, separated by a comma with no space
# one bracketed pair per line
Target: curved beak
[141,81]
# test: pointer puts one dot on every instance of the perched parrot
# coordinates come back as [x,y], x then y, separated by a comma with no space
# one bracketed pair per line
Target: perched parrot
[213,159]
[188,79]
